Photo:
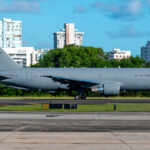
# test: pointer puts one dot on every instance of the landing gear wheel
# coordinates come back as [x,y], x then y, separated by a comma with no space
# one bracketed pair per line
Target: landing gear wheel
[80,97]
[77,97]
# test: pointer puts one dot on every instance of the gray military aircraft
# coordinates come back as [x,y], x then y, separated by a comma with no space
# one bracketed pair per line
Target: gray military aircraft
[107,80]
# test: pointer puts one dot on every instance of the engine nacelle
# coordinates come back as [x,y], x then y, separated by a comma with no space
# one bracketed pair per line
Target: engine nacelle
[97,89]
[109,89]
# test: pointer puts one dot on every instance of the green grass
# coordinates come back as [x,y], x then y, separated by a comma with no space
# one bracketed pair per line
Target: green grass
[83,108]
[22,108]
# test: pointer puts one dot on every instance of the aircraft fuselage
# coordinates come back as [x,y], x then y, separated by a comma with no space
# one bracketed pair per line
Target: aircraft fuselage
[35,78]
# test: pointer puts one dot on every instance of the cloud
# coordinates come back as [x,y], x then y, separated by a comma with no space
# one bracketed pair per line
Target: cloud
[126,10]
[134,7]
[107,7]
[21,6]
[148,1]
[80,9]
[127,31]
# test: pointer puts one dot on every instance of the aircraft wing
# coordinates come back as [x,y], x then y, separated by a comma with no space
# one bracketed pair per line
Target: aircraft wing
[73,81]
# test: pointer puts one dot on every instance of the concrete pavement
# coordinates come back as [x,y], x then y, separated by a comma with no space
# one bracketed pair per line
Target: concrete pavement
[74,130]
[74,141]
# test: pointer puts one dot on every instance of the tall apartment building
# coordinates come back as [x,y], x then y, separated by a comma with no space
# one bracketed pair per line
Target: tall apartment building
[11,42]
[145,52]
[10,33]
[119,54]
[68,36]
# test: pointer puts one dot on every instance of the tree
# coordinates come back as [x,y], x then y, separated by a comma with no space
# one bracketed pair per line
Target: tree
[73,56]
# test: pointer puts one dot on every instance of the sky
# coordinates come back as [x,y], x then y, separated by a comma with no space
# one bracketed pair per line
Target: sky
[107,24]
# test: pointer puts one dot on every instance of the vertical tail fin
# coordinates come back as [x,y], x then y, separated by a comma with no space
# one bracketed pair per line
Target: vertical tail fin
[6,62]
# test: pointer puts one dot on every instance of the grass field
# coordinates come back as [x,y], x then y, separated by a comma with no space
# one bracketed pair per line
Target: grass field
[83,108]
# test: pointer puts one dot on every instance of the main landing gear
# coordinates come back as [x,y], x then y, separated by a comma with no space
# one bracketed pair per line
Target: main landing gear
[80,97]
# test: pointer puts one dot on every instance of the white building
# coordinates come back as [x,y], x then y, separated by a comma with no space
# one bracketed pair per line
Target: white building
[145,52]
[119,54]
[68,36]
[21,55]
[37,54]
[10,33]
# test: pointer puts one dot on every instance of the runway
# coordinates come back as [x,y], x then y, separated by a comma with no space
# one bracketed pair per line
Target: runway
[74,130]
[74,121]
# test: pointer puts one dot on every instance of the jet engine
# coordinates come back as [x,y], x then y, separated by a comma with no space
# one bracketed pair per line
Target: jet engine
[109,89]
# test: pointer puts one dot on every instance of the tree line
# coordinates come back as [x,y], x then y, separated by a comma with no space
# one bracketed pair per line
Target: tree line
[81,56]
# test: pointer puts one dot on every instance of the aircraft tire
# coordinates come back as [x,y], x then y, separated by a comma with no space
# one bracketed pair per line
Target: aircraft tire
[80,97]
[77,97]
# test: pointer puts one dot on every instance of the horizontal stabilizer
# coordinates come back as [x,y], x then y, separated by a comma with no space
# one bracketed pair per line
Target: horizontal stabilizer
[6,62]
[15,87]
[3,77]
